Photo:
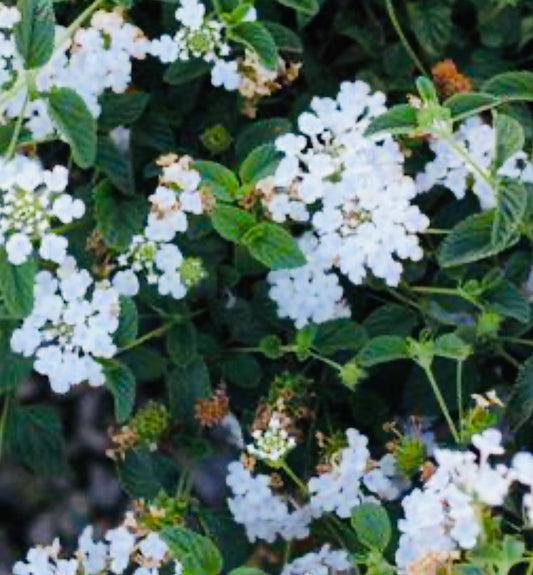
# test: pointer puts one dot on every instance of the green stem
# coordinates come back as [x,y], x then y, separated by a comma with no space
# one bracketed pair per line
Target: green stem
[447,291]
[403,299]
[442,403]
[3,423]
[394,20]
[16,132]
[509,358]
[518,341]
[146,337]
[435,231]
[459,391]
[327,361]
[462,153]
[287,553]
[297,481]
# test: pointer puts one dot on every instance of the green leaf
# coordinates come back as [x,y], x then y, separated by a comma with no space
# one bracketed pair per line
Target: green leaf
[383,349]
[372,525]
[451,346]
[273,246]
[121,109]
[75,123]
[115,165]
[259,164]
[117,218]
[183,72]
[506,299]
[398,119]
[337,335]
[220,181]
[470,103]
[197,553]
[260,133]
[138,475]
[16,283]
[186,384]
[391,319]
[286,40]
[232,223]
[121,383]
[146,363]
[181,344]
[14,368]
[510,138]
[34,436]
[519,409]
[256,37]
[431,22]
[242,370]
[511,86]
[247,571]
[510,210]
[471,240]
[128,322]
[34,34]
[307,7]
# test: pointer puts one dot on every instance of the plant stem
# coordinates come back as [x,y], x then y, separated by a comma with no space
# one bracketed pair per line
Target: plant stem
[330,362]
[518,340]
[442,403]
[3,422]
[447,291]
[462,153]
[146,337]
[509,358]
[396,24]
[16,132]
[459,391]
[435,231]
[294,477]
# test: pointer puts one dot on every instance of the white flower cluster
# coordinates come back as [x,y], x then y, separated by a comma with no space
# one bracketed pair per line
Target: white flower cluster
[321,562]
[9,64]
[451,170]
[201,37]
[96,59]
[311,293]
[522,471]
[385,480]
[339,490]
[263,514]
[273,443]
[122,548]
[152,253]
[351,189]
[70,327]
[31,199]
[443,516]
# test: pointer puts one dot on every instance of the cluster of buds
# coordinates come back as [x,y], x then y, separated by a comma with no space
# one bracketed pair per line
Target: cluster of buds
[449,80]
[272,444]
[209,412]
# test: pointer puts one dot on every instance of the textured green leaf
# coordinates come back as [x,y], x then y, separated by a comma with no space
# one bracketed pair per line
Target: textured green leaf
[182,72]
[16,283]
[75,123]
[286,40]
[470,241]
[138,475]
[197,553]
[232,223]
[121,109]
[391,319]
[383,349]
[511,86]
[256,37]
[509,213]
[242,370]
[273,246]
[181,344]
[398,119]
[259,164]
[221,181]
[520,407]
[115,165]
[34,436]
[337,335]
[506,299]
[431,21]
[260,133]
[118,218]
[121,383]
[468,103]
[372,525]
[128,322]
[451,346]
[186,384]
[307,7]
[34,34]
[510,138]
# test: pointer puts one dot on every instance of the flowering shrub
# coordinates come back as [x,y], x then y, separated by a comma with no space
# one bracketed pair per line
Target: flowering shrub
[292,241]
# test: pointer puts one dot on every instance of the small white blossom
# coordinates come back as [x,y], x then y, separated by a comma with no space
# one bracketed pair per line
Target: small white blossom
[273,443]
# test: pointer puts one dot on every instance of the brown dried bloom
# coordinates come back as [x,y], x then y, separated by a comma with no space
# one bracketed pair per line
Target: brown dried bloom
[121,441]
[211,411]
[449,80]
[433,563]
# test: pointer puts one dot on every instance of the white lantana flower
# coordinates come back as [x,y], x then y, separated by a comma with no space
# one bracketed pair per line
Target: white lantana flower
[273,443]
[350,189]
[32,199]
[70,327]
